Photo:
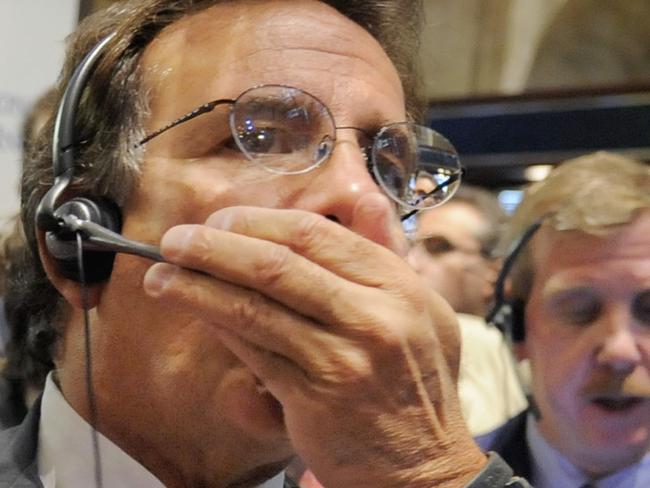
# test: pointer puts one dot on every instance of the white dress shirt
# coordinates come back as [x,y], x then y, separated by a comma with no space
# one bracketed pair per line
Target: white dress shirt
[488,386]
[552,470]
[65,451]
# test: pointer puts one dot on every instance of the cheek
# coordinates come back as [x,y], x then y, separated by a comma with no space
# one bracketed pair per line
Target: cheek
[439,272]
[173,192]
[187,354]
[558,367]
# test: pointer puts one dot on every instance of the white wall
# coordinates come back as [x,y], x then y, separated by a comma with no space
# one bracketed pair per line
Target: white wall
[32,34]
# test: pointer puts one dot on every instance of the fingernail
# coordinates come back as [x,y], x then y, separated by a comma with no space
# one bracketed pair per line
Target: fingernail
[221,219]
[157,278]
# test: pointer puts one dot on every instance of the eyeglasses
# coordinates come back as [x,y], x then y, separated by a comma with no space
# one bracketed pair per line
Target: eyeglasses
[289,131]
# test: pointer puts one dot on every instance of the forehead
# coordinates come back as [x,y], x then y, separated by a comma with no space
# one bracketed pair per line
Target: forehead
[617,259]
[453,220]
[223,50]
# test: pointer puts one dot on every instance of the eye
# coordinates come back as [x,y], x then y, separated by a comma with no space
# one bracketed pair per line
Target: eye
[641,307]
[437,245]
[577,307]
[268,140]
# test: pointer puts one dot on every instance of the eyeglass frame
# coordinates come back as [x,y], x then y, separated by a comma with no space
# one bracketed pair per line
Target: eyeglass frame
[366,150]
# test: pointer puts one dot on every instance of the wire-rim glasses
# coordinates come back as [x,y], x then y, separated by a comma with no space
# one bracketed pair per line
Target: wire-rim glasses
[289,131]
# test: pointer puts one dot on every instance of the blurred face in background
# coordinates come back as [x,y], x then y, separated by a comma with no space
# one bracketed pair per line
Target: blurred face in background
[588,341]
[447,254]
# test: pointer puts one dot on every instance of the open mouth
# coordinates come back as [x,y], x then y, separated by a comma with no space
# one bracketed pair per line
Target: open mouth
[617,404]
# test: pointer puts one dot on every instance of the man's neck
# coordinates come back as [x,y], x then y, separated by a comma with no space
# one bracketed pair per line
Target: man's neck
[62,426]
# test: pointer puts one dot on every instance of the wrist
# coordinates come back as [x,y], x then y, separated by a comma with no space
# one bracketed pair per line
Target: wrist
[496,473]
[454,470]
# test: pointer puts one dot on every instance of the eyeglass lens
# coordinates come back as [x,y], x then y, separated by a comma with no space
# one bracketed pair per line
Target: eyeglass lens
[283,128]
[288,131]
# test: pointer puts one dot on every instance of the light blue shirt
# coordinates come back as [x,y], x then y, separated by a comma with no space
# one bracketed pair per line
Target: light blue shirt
[552,470]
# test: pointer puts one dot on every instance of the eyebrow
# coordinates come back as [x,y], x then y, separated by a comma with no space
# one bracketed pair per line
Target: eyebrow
[563,284]
[206,108]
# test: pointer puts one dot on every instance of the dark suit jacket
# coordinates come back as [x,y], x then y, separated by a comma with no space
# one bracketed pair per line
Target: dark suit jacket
[18,447]
[12,403]
[509,441]
[18,468]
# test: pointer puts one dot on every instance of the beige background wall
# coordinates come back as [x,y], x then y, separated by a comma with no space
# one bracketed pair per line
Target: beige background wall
[481,46]
[487,47]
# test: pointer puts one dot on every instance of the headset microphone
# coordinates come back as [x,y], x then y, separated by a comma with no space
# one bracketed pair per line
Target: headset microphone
[97,221]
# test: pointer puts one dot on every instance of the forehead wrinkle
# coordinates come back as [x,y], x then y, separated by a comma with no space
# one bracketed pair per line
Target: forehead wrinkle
[603,277]
[339,39]
[559,284]
[245,40]
[344,86]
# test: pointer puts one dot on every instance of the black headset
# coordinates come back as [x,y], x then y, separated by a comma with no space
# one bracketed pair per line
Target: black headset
[97,220]
[508,314]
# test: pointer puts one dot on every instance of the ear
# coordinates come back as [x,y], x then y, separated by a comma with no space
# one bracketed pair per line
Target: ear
[70,290]
[507,287]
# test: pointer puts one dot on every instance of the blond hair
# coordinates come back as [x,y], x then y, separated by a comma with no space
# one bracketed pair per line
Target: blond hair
[592,194]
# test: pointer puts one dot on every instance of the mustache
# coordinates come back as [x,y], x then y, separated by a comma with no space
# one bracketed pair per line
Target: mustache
[610,384]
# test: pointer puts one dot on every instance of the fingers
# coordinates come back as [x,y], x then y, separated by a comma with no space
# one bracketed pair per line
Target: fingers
[278,374]
[343,251]
[274,270]
[256,318]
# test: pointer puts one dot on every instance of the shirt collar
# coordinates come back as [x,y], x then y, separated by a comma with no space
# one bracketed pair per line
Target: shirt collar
[65,451]
[550,469]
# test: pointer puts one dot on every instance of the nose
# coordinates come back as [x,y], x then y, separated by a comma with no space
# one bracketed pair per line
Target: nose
[336,187]
[412,259]
[618,347]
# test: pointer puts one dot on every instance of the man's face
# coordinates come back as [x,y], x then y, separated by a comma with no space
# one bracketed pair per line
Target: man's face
[588,341]
[448,255]
[170,361]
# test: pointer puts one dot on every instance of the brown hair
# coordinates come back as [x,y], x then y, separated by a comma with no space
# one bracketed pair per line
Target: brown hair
[487,204]
[110,115]
[592,194]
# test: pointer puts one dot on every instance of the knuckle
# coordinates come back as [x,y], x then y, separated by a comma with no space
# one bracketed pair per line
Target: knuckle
[274,265]
[309,232]
[248,310]
[385,328]
[197,246]
[392,338]
[352,366]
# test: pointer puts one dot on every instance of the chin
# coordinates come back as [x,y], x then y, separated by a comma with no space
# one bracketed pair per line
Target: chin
[610,449]
[610,459]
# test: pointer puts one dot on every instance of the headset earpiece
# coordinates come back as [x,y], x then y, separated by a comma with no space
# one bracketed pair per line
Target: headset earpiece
[62,243]
[517,320]
[97,221]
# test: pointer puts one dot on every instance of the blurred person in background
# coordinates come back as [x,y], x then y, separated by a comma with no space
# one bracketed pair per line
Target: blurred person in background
[283,319]
[581,286]
[22,374]
[454,252]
